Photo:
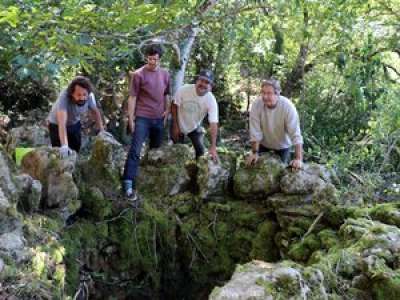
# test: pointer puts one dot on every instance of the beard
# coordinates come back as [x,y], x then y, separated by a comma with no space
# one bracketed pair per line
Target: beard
[80,102]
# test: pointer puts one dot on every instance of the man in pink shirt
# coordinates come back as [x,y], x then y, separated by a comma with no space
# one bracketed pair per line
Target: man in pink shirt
[149,88]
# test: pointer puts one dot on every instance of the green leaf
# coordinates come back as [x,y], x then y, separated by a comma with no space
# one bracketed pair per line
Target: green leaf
[10,16]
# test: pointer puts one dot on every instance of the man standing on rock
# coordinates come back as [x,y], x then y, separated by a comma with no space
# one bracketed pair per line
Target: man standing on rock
[64,117]
[275,126]
[149,89]
[192,102]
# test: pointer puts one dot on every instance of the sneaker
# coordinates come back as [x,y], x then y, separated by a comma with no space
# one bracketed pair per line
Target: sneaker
[131,195]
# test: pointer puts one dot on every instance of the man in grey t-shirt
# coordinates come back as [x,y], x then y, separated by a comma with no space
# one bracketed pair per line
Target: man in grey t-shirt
[64,117]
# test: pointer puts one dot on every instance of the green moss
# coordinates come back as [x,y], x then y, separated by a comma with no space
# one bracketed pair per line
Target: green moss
[388,213]
[328,238]
[299,252]
[268,286]
[83,239]
[260,180]
[246,215]
[94,203]
[263,245]
[105,175]
[388,289]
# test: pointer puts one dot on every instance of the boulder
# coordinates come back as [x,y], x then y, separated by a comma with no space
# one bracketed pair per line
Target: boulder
[27,136]
[55,175]
[260,180]
[306,180]
[104,167]
[164,171]
[30,191]
[260,280]
[11,235]
[4,203]
[7,181]
[213,179]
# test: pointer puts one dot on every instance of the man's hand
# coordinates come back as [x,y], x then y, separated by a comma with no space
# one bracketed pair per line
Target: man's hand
[131,126]
[296,164]
[65,151]
[105,133]
[176,132]
[165,115]
[251,159]
[213,153]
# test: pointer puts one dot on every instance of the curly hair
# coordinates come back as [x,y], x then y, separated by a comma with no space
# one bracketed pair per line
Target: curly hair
[154,49]
[83,82]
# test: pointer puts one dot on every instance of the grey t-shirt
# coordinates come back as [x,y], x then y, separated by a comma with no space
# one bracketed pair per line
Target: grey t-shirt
[73,110]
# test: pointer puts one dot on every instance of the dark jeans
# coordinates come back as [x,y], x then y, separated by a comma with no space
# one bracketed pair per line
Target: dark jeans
[144,128]
[284,154]
[73,135]
[197,138]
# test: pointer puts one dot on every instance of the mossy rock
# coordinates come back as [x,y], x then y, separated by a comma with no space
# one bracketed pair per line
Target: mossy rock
[329,238]
[104,167]
[388,289]
[164,171]
[94,204]
[55,175]
[260,180]
[388,213]
[82,242]
[214,179]
[264,247]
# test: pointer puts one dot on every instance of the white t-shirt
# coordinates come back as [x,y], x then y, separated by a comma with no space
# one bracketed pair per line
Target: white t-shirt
[192,108]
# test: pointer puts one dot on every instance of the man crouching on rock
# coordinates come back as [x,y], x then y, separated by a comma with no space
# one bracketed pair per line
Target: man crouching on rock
[275,126]
[192,102]
[64,117]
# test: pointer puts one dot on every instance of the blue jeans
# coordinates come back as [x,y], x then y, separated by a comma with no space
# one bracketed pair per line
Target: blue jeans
[284,154]
[144,127]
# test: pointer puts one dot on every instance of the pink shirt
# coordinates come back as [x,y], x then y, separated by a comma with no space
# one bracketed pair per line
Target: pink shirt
[150,89]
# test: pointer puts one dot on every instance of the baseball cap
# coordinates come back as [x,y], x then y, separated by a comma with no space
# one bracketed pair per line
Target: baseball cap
[207,75]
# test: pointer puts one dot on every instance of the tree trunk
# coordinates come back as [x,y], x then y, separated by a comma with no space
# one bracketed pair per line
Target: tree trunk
[185,49]
[187,44]
[294,81]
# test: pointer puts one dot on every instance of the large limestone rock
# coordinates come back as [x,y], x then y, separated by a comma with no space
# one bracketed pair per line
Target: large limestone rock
[4,203]
[104,167]
[7,182]
[27,136]
[296,215]
[306,180]
[30,191]
[214,178]
[13,188]
[363,263]
[260,180]
[11,235]
[99,176]
[164,171]
[258,280]
[55,175]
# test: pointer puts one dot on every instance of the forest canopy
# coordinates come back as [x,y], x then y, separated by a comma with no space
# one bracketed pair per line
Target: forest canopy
[338,61]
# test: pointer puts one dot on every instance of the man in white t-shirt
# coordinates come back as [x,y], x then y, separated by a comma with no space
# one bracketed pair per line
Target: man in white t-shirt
[275,126]
[192,102]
